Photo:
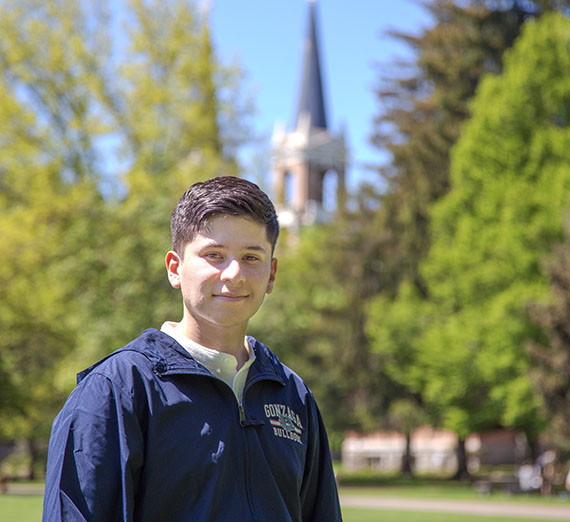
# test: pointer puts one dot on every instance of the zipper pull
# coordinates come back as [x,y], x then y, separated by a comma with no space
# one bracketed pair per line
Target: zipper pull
[241,414]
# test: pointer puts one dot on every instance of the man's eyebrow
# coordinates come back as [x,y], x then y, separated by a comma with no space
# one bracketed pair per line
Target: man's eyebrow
[213,244]
[257,248]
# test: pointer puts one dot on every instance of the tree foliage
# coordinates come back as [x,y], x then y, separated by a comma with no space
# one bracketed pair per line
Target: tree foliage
[511,182]
[466,363]
[510,187]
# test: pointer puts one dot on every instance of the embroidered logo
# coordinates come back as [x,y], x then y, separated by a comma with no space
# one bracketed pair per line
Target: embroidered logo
[285,422]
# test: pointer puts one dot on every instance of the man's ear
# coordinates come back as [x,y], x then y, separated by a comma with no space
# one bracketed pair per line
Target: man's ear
[173,264]
[271,282]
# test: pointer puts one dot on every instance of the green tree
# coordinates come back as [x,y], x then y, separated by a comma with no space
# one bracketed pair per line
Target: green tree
[425,108]
[35,314]
[511,182]
[47,143]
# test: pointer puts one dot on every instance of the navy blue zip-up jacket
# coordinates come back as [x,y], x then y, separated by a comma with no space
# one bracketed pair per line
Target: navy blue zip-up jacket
[150,435]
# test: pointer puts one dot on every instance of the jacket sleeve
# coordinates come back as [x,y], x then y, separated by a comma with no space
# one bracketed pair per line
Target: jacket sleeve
[319,494]
[94,457]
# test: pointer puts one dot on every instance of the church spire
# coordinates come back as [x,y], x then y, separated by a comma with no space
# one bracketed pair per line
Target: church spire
[311,99]
[302,158]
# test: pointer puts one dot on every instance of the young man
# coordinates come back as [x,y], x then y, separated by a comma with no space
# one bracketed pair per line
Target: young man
[197,422]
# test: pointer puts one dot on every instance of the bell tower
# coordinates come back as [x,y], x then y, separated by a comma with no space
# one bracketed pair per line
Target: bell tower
[303,157]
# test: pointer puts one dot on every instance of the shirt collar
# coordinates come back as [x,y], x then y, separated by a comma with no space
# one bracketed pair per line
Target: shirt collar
[218,363]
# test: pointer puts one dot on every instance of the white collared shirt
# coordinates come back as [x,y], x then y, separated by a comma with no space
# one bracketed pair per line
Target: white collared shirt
[222,365]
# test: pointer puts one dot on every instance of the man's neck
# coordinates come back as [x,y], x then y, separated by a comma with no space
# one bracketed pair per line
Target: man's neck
[226,340]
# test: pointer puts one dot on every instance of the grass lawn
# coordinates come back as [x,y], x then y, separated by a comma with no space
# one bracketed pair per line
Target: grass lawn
[375,515]
[28,508]
[443,489]
[21,508]
[447,493]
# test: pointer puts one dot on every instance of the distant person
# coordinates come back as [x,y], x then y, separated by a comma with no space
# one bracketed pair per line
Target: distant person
[197,421]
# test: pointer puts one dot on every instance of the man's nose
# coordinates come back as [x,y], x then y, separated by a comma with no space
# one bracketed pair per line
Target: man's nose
[232,271]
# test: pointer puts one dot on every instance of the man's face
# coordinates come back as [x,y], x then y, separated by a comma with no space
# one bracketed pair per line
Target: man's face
[226,271]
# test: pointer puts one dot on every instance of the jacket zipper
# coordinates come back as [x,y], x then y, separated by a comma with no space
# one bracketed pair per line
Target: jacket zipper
[240,402]
[241,414]
[244,434]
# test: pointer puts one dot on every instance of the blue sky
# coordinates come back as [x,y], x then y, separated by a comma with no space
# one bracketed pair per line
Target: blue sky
[265,37]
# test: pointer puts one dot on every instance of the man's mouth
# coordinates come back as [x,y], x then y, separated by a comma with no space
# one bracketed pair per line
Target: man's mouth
[231,297]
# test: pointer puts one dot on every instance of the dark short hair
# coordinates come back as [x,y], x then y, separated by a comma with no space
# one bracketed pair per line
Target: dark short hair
[227,195]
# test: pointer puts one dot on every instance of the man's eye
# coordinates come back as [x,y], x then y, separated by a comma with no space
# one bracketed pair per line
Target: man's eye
[251,258]
[212,255]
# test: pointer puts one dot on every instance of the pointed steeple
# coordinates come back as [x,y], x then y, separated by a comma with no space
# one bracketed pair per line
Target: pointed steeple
[304,157]
[311,99]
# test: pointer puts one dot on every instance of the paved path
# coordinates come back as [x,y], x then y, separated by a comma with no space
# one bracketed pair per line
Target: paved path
[511,509]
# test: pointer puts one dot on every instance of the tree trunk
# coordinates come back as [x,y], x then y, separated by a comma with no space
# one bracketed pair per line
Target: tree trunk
[534,447]
[33,454]
[462,471]
[407,457]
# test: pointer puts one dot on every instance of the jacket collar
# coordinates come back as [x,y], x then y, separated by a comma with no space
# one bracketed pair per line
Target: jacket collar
[168,357]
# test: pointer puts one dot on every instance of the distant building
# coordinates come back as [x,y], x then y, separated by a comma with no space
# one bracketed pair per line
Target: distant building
[498,447]
[303,157]
[433,451]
